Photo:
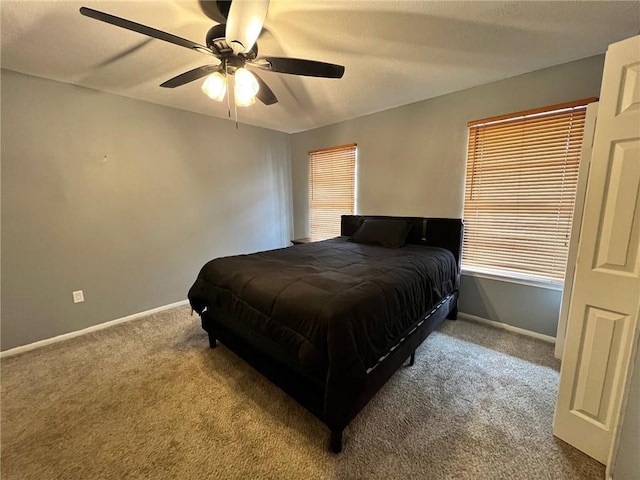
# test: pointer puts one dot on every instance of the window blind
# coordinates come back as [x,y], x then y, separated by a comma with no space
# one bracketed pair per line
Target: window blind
[331,189]
[521,182]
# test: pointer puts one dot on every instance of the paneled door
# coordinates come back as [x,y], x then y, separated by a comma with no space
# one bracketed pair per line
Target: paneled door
[602,329]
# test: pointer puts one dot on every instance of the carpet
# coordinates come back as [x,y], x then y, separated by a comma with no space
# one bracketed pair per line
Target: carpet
[149,400]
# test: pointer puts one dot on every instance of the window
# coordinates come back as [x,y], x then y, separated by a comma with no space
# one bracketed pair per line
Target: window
[332,174]
[522,176]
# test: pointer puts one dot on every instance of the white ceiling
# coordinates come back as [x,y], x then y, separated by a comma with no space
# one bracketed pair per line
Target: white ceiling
[394,52]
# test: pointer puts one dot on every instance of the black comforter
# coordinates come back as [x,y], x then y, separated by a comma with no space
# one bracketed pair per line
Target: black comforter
[333,304]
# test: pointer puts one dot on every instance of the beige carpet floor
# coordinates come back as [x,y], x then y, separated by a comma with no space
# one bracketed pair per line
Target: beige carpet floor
[148,399]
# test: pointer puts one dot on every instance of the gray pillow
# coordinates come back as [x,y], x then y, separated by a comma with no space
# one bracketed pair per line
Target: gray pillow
[388,233]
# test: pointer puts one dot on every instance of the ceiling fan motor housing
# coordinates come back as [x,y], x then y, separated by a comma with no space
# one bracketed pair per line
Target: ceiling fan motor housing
[216,40]
[218,44]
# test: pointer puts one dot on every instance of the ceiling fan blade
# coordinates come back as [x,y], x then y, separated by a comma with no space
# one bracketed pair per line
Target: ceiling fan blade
[244,23]
[299,66]
[218,11]
[190,76]
[265,94]
[143,29]
[223,7]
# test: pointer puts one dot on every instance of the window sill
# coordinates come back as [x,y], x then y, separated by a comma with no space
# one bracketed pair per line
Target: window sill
[520,280]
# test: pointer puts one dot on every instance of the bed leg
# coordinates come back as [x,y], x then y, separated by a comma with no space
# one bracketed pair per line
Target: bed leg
[453,313]
[412,360]
[336,441]
[212,340]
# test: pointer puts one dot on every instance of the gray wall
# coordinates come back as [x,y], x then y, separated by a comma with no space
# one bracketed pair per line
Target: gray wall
[125,200]
[523,306]
[411,161]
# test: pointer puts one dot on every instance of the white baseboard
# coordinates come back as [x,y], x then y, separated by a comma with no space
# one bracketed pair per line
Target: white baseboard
[506,326]
[94,328]
[84,331]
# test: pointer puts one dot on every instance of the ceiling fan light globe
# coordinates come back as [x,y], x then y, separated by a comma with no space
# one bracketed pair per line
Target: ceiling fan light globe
[244,101]
[246,84]
[215,86]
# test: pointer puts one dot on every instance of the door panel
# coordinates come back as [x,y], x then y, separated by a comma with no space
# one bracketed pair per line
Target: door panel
[619,229]
[602,339]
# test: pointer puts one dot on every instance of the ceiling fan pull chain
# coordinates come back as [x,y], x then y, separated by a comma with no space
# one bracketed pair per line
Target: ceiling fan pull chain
[235,108]
[226,81]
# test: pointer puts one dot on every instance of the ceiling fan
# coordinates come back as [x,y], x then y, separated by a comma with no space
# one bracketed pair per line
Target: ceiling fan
[234,45]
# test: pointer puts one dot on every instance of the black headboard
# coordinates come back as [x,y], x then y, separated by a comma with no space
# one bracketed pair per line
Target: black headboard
[434,232]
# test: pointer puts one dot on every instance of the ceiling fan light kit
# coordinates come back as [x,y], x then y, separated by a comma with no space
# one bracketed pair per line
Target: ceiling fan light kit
[234,45]
[245,87]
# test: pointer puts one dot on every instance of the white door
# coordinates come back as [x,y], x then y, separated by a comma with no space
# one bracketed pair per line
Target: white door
[583,173]
[602,329]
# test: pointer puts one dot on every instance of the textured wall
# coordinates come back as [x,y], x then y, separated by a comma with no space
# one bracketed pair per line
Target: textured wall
[125,200]
[412,162]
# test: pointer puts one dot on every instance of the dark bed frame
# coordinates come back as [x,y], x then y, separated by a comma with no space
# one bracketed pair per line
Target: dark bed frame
[333,404]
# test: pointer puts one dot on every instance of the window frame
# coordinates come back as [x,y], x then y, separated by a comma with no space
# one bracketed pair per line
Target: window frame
[347,152]
[545,280]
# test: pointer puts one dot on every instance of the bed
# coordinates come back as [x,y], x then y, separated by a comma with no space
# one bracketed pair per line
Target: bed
[330,322]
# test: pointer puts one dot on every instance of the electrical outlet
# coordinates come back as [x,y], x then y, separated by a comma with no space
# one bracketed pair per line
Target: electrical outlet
[78,296]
